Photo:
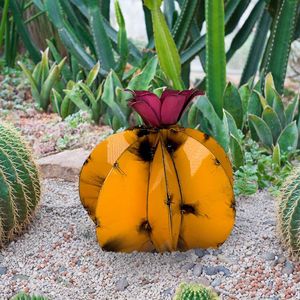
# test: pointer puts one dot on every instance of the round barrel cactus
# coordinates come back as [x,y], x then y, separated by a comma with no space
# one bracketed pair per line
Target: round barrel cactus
[159,186]
[193,291]
[19,183]
[289,213]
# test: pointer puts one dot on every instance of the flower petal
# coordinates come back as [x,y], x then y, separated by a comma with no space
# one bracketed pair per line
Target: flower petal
[174,104]
[146,112]
[147,105]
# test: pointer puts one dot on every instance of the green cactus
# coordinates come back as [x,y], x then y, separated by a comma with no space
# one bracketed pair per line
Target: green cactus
[289,213]
[19,184]
[194,291]
[23,296]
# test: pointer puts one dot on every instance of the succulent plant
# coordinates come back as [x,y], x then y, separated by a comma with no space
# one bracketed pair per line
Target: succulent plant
[23,296]
[270,122]
[19,183]
[149,176]
[194,291]
[289,213]
[43,79]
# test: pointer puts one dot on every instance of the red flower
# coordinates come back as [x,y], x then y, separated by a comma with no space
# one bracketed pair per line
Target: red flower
[164,111]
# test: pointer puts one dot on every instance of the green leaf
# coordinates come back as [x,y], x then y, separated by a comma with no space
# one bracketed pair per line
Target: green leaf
[67,75]
[23,31]
[290,112]
[183,23]
[263,131]
[279,109]
[288,139]
[88,92]
[236,152]
[3,20]
[47,87]
[257,47]
[280,42]
[272,120]
[102,43]
[33,84]
[143,80]
[215,54]
[270,92]
[109,98]
[167,53]
[246,29]
[122,39]
[233,104]
[245,94]
[276,158]
[231,125]
[217,128]
[75,97]
[57,101]
[93,74]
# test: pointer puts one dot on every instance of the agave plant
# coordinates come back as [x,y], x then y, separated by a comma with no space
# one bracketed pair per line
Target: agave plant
[109,100]
[271,123]
[43,79]
[69,100]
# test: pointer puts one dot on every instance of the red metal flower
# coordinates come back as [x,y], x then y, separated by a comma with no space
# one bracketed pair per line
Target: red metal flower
[164,111]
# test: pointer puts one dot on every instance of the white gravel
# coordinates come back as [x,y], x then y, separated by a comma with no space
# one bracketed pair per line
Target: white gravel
[59,258]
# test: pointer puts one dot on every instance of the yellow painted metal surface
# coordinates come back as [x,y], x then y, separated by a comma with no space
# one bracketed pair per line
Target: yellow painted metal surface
[165,190]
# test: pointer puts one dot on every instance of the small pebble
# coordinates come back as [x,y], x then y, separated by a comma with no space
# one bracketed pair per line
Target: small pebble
[216,282]
[201,252]
[122,284]
[188,266]
[269,256]
[197,271]
[288,268]
[3,270]
[210,270]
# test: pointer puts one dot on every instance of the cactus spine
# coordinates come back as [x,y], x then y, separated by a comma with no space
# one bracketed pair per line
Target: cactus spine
[289,213]
[19,183]
[193,291]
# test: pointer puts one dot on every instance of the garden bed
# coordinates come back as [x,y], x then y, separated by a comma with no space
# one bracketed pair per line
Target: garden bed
[59,257]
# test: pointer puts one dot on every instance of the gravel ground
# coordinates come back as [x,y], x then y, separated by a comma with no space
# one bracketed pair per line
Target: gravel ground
[59,257]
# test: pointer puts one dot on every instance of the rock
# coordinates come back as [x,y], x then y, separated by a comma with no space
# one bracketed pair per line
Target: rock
[179,256]
[274,263]
[224,270]
[288,268]
[281,259]
[3,270]
[269,256]
[197,271]
[188,266]
[201,252]
[65,165]
[20,277]
[122,284]
[211,270]
[227,260]
[216,252]
[216,282]
[168,292]
[203,281]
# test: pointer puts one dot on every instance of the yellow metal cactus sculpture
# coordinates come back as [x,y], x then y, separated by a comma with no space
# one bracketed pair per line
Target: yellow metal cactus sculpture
[160,186]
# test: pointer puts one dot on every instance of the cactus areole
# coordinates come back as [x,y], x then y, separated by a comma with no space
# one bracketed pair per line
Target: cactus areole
[159,186]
